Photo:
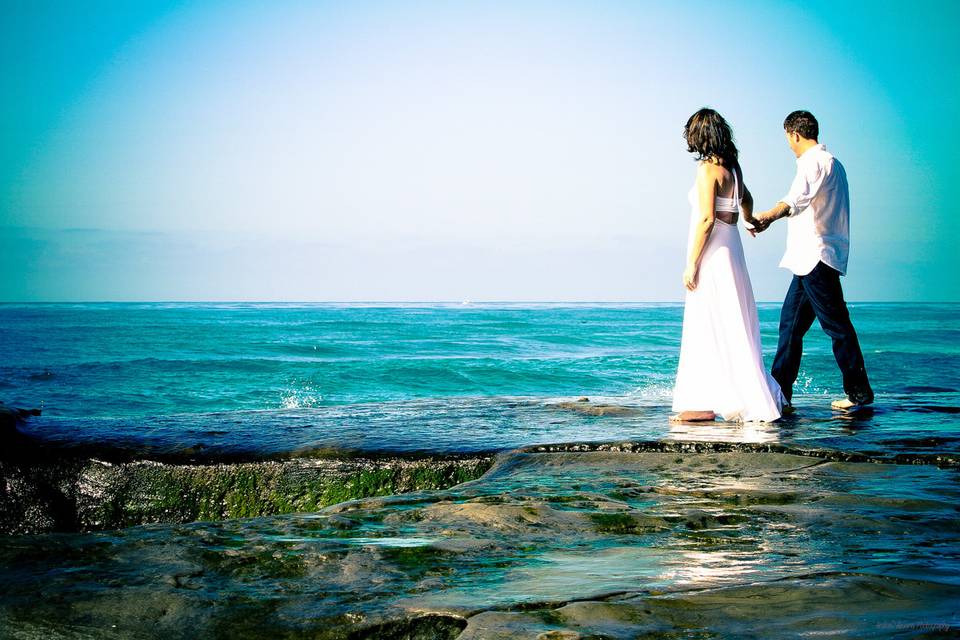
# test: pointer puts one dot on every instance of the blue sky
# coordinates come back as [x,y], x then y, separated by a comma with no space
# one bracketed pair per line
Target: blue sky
[453,151]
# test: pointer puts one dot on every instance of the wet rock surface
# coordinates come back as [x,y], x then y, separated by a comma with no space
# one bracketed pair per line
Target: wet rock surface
[81,494]
[46,488]
[585,542]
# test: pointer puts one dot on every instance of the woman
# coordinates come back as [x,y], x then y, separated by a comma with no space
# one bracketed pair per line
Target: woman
[721,368]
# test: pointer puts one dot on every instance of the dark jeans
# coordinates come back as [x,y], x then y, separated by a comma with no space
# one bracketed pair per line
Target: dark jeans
[818,295]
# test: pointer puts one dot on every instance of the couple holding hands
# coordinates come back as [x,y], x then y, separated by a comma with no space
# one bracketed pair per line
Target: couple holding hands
[721,371]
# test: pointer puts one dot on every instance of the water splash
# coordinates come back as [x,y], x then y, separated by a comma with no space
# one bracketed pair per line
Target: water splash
[302,396]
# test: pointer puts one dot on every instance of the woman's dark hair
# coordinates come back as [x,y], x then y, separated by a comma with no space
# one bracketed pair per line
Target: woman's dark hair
[802,122]
[708,134]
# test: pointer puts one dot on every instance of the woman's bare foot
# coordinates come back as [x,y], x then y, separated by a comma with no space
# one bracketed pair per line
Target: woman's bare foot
[693,416]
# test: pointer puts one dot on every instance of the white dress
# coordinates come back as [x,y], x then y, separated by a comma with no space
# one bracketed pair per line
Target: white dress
[721,363]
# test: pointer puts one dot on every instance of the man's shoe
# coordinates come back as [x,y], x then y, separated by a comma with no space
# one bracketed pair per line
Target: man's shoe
[849,406]
[788,410]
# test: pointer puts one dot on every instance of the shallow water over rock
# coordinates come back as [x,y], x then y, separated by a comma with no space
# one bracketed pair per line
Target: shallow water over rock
[590,543]
[923,422]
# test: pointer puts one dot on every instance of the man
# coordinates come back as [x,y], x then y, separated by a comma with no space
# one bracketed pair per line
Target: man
[817,209]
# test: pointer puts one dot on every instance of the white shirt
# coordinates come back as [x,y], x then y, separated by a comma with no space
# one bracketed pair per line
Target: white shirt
[818,226]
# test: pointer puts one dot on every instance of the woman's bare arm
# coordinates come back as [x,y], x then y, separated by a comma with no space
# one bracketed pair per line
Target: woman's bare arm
[706,195]
[747,206]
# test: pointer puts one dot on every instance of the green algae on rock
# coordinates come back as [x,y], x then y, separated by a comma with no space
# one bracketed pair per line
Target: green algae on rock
[64,493]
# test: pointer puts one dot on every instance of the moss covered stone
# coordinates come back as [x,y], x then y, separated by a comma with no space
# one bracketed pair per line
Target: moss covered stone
[616,523]
[92,494]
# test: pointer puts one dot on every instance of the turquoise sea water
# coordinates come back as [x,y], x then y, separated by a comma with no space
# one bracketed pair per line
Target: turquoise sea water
[258,379]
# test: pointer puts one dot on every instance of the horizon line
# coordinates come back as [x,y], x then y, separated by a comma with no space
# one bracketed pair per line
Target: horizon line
[459,302]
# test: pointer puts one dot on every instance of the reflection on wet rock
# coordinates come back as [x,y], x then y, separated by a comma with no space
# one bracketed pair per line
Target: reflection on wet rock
[547,544]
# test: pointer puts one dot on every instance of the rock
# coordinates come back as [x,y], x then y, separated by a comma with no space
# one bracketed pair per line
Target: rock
[588,542]
[584,406]
[10,417]
[55,492]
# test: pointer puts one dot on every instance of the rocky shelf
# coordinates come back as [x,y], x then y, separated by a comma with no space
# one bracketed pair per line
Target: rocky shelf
[48,488]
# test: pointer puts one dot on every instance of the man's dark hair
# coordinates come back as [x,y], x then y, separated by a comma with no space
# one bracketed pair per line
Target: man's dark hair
[802,122]
[708,134]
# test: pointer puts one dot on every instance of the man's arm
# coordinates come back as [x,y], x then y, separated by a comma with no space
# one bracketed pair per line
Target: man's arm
[802,190]
[765,218]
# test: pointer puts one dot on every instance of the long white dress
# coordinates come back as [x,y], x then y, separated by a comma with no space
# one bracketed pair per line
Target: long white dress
[721,362]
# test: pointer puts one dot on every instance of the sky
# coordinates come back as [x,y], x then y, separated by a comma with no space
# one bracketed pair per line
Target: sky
[428,151]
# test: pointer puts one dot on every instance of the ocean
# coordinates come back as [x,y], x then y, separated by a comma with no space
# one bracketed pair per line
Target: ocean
[505,470]
[263,378]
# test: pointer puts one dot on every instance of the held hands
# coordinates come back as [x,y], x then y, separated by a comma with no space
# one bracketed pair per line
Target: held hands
[766,218]
[757,225]
[690,276]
